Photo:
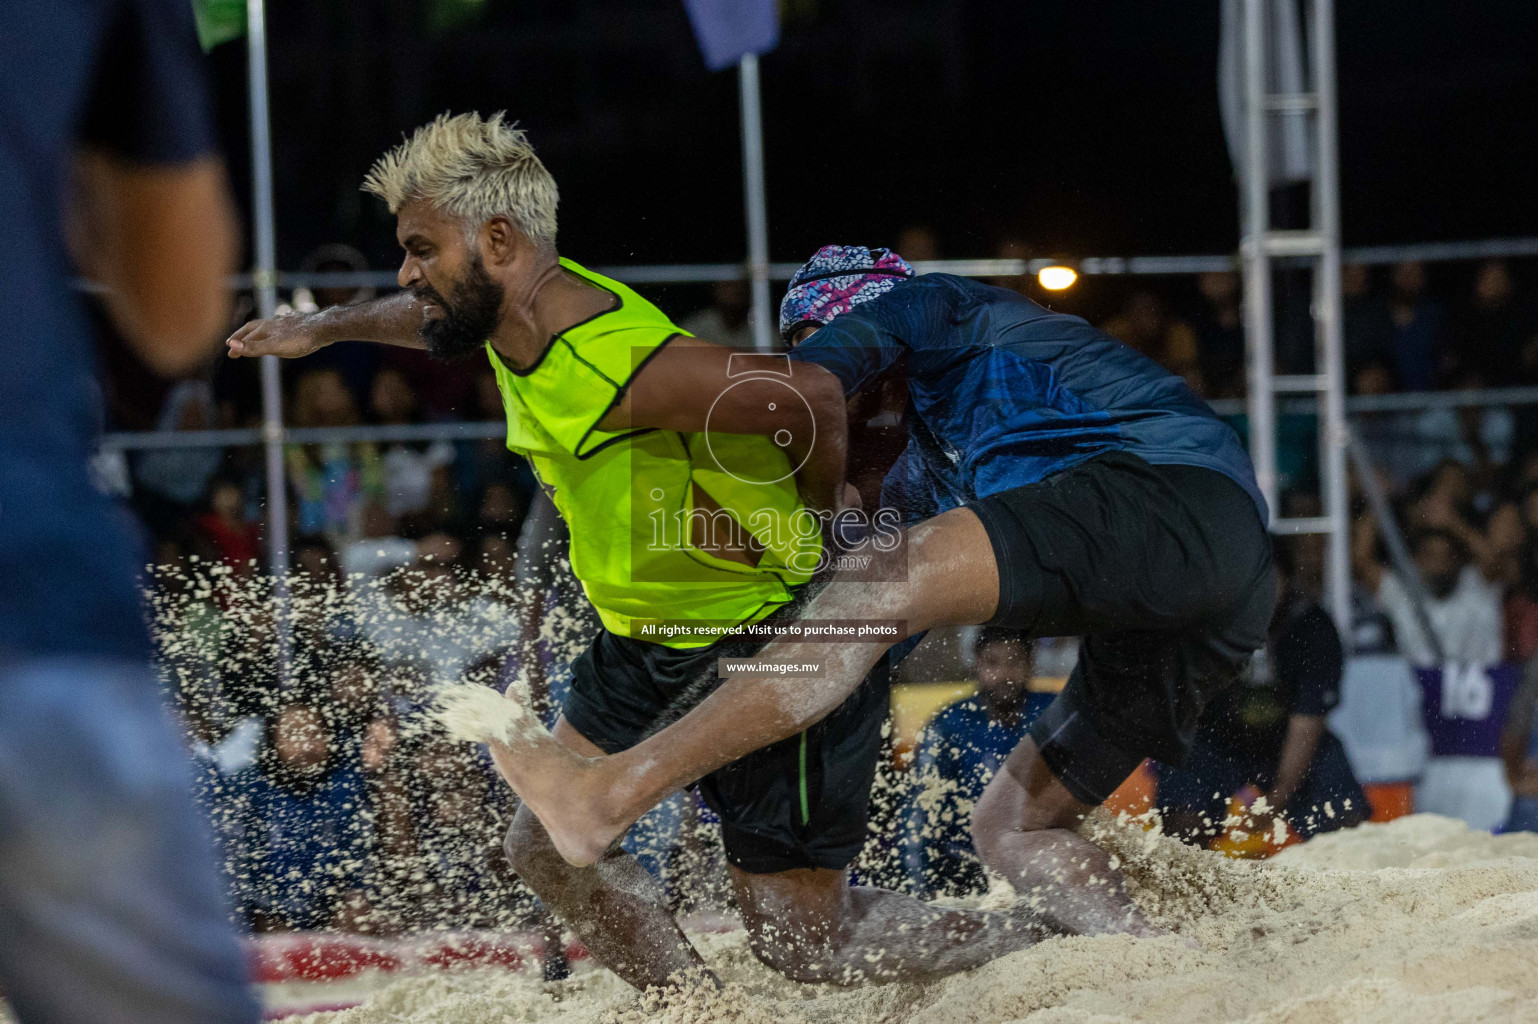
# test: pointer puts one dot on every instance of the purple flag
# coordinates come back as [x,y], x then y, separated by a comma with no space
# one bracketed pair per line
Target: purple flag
[728,30]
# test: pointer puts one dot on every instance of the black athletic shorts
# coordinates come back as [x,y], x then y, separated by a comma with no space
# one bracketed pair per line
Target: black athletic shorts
[801,803]
[1165,571]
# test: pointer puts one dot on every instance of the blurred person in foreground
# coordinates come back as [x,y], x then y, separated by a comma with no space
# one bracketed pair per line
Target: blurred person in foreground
[958,753]
[611,402]
[1268,734]
[110,904]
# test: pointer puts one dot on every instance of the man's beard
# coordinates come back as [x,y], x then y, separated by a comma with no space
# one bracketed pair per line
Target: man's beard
[469,320]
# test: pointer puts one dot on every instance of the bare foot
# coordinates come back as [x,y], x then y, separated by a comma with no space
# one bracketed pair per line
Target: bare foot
[569,793]
[574,797]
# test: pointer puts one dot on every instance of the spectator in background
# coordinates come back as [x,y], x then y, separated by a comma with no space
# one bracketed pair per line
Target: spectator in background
[333,480]
[496,563]
[309,835]
[1146,326]
[1463,606]
[502,510]
[170,482]
[1418,325]
[1410,444]
[464,878]
[725,320]
[960,750]
[224,747]
[1365,324]
[379,548]
[416,475]
[918,243]
[1494,327]
[1220,334]
[425,615]
[1388,436]
[1372,632]
[1267,732]
[332,258]
[486,461]
[225,523]
[354,698]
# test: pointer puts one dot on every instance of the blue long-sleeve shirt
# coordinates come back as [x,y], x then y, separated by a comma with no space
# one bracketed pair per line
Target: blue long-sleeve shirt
[1003,392]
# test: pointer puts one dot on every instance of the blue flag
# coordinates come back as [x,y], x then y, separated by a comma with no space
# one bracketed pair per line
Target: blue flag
[728,30]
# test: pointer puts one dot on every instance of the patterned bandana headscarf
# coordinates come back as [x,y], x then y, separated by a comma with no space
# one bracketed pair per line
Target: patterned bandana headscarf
[837,279]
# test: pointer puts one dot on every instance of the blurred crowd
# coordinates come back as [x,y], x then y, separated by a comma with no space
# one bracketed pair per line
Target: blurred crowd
[336,808]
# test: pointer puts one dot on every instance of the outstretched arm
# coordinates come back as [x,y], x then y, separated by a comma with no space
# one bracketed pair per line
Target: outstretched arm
[391,320]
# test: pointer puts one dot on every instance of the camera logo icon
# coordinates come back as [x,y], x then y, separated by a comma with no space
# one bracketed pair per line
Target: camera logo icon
[757,378]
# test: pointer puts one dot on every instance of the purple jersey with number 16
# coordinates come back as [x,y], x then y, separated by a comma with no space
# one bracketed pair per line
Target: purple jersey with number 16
[1464,707]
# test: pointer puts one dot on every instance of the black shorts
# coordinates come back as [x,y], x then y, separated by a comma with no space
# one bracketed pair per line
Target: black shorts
[1165,571]
[801,803]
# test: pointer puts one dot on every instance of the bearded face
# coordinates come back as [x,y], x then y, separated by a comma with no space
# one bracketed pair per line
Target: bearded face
[469,313]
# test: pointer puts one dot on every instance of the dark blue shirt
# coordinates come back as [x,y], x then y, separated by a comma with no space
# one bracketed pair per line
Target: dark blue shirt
[123,76]
[959,751]
[307,848]
[1003,392]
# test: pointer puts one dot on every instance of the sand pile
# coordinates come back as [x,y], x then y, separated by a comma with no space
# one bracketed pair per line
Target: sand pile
[1420,920]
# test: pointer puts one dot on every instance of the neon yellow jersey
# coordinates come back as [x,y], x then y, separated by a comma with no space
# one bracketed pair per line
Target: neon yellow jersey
[627,496]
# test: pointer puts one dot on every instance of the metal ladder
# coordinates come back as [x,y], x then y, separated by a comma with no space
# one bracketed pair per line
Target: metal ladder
[1320,243]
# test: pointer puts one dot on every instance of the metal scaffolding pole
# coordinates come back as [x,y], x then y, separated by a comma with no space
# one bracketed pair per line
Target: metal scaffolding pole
[264,282]
[761,317]
[1319,244]
[1256,210]
[1330,358]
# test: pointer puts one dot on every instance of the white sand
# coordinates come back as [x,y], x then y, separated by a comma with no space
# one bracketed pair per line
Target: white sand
[1420,920]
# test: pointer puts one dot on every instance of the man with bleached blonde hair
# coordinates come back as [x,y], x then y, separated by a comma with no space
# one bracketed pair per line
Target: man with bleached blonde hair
[633,428]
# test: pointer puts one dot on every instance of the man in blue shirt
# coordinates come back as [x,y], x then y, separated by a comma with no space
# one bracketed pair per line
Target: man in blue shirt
[110,908]
[1067,486]
[959,751]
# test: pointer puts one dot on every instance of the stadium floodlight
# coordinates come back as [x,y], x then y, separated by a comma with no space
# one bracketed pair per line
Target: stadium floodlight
[1056,277]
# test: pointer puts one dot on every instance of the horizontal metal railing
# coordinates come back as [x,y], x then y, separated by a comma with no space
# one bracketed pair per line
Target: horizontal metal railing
[1415,401]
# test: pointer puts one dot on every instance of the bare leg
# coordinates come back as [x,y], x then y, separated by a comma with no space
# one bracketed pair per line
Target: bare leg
[617,909]
[809,925]
[944,574]
[1023,829]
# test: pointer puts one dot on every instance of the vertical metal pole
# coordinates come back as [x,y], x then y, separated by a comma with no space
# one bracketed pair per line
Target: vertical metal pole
[1257,260]
[264,275]
[753,195]
[1330,350]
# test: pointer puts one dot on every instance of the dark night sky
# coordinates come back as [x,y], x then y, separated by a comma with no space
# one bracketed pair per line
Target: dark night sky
[1087,128]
